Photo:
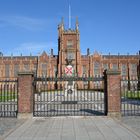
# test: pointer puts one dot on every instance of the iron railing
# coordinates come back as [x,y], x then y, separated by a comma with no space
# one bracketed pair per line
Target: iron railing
[130,97]
[68,96]
[8,98]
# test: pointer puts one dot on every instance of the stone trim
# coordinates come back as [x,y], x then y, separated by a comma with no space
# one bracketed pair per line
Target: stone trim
[26,73]
[112,72]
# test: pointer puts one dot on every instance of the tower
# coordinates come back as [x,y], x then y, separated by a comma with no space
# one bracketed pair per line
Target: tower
[68,48]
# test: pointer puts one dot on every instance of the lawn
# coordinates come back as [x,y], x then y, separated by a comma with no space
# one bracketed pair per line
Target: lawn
[6,96]
[132,95]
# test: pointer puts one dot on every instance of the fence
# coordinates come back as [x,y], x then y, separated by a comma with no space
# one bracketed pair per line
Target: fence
[130,97]
[69,96]
[8,98]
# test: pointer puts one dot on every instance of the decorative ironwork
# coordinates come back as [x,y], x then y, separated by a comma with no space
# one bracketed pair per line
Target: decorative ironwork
[130,98]
[68,61]
[8,98]
[71,97]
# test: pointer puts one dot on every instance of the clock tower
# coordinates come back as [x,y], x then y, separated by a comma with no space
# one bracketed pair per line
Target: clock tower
[68,48]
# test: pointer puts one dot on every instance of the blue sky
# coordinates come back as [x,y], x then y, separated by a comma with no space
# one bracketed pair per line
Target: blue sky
[30,26]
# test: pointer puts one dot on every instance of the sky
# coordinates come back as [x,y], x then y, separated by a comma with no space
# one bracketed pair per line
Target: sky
[106,26]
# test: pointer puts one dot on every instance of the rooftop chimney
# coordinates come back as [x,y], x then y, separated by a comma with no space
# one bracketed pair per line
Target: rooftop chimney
[51,52]
[88,51]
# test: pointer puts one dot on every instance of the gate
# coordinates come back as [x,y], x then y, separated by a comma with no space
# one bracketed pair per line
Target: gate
[130,97]
[8,98]
[69,96]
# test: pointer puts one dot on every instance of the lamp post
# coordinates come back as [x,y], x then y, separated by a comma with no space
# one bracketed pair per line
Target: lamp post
[118,61]
[89,73]
[37,65]
[128,74]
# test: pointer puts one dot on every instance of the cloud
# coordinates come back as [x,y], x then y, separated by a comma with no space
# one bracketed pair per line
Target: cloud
[24,22]
[34,48]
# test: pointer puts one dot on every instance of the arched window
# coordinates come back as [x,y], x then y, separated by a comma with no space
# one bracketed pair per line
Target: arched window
[44,69]
[84,69]
[70,55]
[7,70]
[26,67]
[105,66]
[124,70]
[133,69]
[114,66]
[55,71]
[69,43]
[16,70]
[96,68]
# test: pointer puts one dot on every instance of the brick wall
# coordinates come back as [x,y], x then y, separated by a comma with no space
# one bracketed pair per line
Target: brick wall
[113,93]
[25,90]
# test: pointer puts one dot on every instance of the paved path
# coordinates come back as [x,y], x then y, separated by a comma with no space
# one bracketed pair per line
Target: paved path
[132,121]
[72,128]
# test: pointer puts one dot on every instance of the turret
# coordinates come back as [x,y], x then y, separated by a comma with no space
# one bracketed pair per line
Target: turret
[61,26]
[88,53]
[77,24]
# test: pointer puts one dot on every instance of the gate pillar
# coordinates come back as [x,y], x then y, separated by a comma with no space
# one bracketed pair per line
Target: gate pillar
[25,94]
[113,93]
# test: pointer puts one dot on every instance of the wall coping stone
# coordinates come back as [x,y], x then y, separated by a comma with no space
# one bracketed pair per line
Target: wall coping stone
[112,72]
[26,73]
[25,115]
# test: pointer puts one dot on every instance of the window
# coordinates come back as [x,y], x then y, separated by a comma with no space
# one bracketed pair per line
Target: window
[55,71]
[16,70]
[34,67]
[26,67]
[96,68]
[105,66]
[70,55]
[84,69]
[44,69]
[124,70]
[114,66]
[69,43]
[133,69]
[7,70]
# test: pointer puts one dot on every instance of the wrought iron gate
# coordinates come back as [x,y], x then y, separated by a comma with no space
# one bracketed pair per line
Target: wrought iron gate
[69,96]
[130,98]
[8,98]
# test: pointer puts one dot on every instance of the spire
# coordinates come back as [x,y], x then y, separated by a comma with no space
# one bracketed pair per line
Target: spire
[77,24]
[62,23]
[69,17]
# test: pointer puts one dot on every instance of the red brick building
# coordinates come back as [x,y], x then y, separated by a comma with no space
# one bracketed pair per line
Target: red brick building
[68,51]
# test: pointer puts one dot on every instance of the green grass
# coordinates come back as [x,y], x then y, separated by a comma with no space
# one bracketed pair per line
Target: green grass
[132,95]
[100,90]
[6,96]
